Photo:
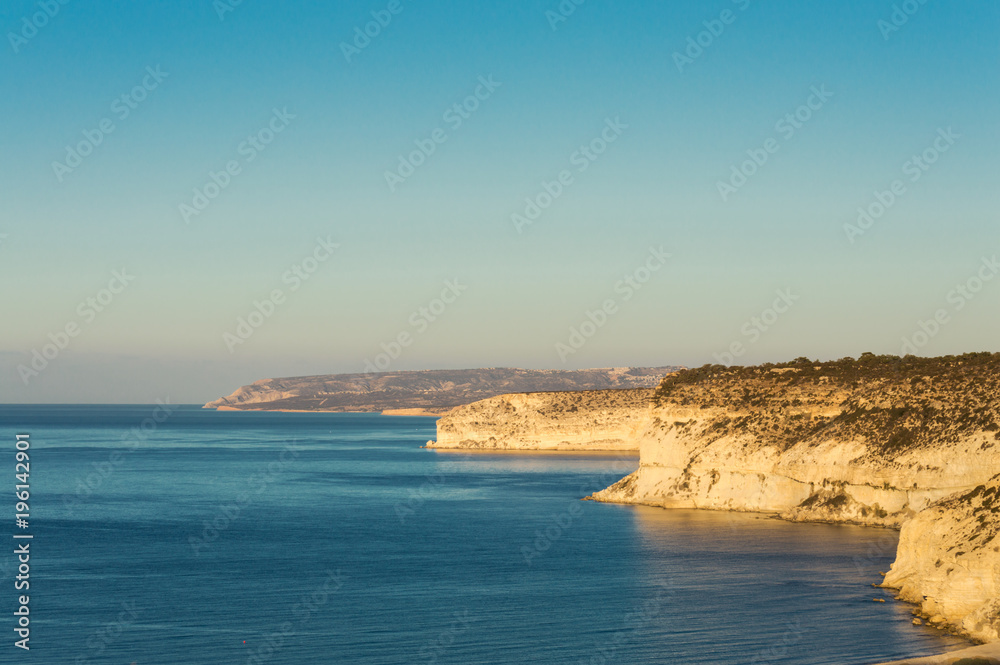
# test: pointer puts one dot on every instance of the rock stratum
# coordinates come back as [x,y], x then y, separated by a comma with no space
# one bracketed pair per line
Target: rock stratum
[948,562]
[586,420]
[879,441]
[883,441]
[870,441]
[431,392]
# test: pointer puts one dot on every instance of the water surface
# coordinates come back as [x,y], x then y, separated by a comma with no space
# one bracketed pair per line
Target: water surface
[216,537]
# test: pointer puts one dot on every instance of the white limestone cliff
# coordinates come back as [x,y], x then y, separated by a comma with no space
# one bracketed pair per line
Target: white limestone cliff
[586,420]
[882,441]
[948,562]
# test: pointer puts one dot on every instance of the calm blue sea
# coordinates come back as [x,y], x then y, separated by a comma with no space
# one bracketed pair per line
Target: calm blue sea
[234,538]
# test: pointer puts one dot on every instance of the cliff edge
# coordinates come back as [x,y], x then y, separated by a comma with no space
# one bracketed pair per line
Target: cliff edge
[871,441]
[586,420]
[948,562]
[880,441]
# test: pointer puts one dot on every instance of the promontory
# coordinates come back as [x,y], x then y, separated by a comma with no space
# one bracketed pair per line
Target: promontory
[910,443]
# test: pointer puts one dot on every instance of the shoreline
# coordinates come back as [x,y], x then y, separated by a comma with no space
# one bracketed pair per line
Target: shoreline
[775,515]
[412,412]
[976,654]
[576,452]
[416,412]
[979,651]
[981,654]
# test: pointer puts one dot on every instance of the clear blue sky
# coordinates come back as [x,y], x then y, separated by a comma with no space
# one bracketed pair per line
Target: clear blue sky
[689,122]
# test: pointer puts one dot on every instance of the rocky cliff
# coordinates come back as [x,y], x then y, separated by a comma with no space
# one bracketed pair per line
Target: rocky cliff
[881,441]
[948,562]
[425,392]
[588,420]
[870,441]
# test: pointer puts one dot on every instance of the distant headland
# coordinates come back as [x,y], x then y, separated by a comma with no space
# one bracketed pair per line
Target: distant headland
[425,393]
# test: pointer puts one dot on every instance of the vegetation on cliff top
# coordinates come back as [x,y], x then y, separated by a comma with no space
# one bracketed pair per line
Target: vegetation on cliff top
[894,403]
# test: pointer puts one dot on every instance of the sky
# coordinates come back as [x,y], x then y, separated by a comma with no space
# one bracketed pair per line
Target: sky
[198,195]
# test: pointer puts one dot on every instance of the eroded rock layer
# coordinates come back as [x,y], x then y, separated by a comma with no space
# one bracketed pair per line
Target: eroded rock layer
[948,562]
[870,441]
[878,441]
[586,420]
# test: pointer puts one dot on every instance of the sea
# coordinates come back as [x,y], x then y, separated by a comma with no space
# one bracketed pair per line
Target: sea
[164,534]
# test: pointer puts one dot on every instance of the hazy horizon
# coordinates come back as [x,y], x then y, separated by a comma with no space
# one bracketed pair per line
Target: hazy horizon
[483,185]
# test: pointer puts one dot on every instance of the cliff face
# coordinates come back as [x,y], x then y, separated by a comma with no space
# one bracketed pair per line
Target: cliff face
[886,441]
[873,441]
[948,562]
[587,420]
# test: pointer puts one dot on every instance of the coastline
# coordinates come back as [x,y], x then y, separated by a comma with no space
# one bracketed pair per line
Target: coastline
[420,412]
[233,408]
[388,412]
[625,455]
[982,654]
[730,455]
